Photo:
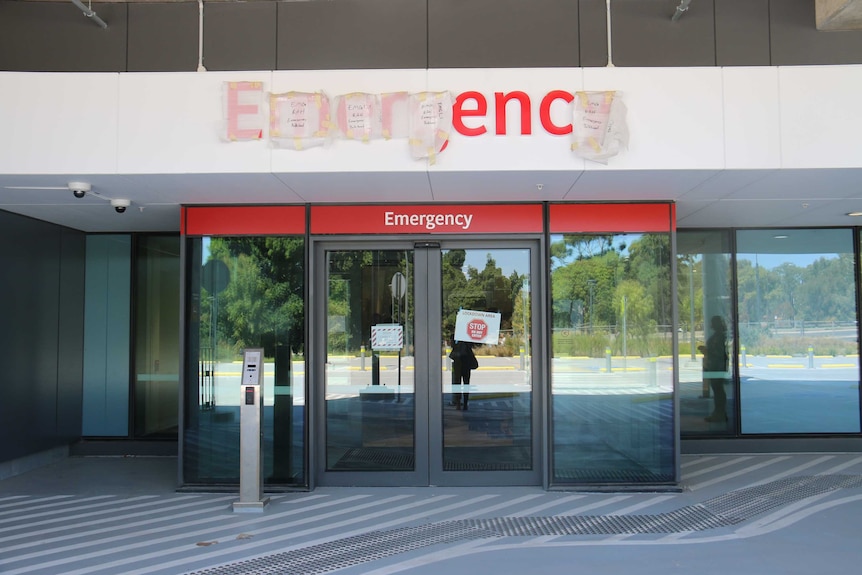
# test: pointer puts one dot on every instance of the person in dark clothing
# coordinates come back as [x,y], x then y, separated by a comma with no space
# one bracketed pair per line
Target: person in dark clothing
[463,362]
[715,364]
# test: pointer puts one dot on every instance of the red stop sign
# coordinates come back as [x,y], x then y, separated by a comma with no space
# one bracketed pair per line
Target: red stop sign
[477,329]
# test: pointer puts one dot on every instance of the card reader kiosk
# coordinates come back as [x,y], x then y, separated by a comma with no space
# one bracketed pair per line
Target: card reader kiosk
[251,434]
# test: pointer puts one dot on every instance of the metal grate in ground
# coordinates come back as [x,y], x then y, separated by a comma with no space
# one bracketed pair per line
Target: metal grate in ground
[354,550]
[743,504]
[723,511]
[691,518]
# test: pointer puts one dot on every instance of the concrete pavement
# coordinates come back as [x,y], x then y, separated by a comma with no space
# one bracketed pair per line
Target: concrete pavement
[741,514]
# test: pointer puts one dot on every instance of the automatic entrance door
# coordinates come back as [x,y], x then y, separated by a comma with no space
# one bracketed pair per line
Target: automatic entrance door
[428,376]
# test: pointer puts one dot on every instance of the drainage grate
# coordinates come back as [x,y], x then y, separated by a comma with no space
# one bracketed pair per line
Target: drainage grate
[723,511]
[458,465]
[605,476]
[365,458]
[350,551]
[691,518]
[743,504]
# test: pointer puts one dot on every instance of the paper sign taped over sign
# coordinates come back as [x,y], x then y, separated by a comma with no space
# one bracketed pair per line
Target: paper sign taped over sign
[387,336]
[477,326]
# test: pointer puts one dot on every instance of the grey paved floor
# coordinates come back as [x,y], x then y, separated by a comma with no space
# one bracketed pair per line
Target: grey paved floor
[745,514]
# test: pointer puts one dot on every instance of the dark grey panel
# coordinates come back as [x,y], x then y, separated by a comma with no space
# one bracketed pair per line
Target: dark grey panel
[644,33]
[352,34]
[593,33]
[742,32]
[502,33]
[796,40]
[57,37]
[163,37]
[239,36]
[70,348]
[38,310]
[31,253]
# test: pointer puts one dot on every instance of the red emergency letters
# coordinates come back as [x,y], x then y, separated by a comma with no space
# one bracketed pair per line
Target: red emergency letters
[473,104]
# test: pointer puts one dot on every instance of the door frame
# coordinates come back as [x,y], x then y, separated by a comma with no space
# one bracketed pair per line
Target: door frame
[428,395]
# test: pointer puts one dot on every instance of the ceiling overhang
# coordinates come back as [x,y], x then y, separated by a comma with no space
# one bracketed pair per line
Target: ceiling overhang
[838,14]
[780,198]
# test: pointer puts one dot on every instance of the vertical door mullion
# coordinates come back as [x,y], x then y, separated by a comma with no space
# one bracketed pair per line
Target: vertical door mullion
[433,431]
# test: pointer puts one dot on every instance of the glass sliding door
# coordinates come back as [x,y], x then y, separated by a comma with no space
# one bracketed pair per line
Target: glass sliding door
[486,377]
[427,364]
[369,395]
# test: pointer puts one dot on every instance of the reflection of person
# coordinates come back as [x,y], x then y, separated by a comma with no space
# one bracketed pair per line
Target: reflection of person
[463,362]
[715,363]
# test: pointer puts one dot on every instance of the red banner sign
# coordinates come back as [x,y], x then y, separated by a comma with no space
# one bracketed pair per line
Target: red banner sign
[242,220]
[611,218]
[427,219]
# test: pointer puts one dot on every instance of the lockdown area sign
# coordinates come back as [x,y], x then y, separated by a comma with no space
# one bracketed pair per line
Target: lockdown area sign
[387,336]
[477,326]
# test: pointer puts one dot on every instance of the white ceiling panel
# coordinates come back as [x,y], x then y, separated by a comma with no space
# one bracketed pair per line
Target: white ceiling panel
[637,184]
[804,185]
[827,213]
[359,187]
[741,213]
[724,184]
[501,186]
[212,189]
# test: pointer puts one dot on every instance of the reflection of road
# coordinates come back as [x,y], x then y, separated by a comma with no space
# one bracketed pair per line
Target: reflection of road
[838,332]
[617,376]
[228,376]
[831,363]
[348,375]
[784,395]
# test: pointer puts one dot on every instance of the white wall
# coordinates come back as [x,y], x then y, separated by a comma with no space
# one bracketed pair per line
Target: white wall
[678,119]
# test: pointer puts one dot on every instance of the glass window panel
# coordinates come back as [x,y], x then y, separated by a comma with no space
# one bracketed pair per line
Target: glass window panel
[706,371]
[370,417]
[244,292]
[612,368]
[799,369]
[157,336]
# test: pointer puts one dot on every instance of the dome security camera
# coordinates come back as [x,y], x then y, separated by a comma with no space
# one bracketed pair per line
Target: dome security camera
[79,189]
[120,205]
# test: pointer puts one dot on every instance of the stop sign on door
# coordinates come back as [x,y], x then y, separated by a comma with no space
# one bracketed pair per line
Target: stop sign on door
[477,326]
[477,329]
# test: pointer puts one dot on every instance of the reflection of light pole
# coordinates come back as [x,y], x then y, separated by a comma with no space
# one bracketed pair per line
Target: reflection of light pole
[625,346]
[524,291]
[691,302]
[592,284]
[757,314]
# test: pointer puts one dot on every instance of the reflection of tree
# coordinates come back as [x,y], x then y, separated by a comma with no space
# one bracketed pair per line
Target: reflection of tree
[571,288]
[593,273]
[360,295]
[263,305]
[634,303]
[649,265]
[486,289]
[690,291]
[581,246]
[828,290]
[822,291]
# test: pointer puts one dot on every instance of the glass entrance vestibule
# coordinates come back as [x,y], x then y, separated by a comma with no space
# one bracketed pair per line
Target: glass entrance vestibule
[441,344]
